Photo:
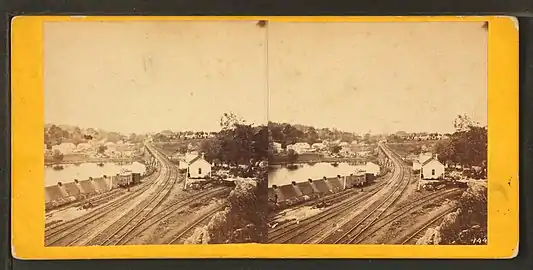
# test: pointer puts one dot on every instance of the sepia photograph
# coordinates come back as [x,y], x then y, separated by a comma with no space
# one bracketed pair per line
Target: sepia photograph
[155,133]
[378,133]
[214,132]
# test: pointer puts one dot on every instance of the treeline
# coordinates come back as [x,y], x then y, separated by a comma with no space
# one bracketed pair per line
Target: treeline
[287,134]
[237,143]
[467,145]
[54,135]
[168,136]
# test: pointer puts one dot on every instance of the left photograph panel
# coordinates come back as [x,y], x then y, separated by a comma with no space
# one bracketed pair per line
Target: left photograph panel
[155,133]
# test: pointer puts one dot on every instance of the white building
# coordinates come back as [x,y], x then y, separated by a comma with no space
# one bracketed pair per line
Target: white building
[363,153]
[423,157]
[432,169]
[346,151]
[64,148]
[299,147]
[277,147]
[372,168]
[318,146]
[343,144]
[110,146]
[198,167]
[417,166]
[83,147]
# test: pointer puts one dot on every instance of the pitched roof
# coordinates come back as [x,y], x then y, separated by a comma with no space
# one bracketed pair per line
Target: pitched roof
[194,159]
[429,160]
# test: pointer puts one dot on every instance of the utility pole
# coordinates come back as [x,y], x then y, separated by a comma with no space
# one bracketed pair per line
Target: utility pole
[186,178]
[419,179]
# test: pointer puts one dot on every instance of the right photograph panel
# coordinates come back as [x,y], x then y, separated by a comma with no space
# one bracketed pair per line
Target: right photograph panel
[378,133]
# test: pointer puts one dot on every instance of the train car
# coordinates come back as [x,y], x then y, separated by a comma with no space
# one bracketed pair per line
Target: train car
[124,178]
[135,178]
[356,180]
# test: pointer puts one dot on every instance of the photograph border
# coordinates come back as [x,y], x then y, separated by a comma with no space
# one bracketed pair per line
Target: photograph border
[28,119]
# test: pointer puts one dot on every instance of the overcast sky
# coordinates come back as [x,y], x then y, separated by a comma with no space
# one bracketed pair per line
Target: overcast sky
[152,76]
[379,77]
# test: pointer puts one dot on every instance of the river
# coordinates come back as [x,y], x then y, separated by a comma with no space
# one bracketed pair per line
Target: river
[280,175]
[85,170]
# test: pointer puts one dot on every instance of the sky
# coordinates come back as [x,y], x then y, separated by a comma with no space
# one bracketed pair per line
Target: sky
[153,76]
[378,77]
[359,77]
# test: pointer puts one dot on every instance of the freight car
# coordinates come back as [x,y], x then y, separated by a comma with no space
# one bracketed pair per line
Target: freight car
[356,180]
[127,179]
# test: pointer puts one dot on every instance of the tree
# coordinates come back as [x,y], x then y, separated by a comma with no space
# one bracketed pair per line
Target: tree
[55,135]
[101,149]
[77,136]
[292,156]
[183,148]
[113,137]
[210,148]
[132,137]
[311,136]
[367,137]
[57,156]
[158,137]
[446,152]
[230,120]
[463,123]
[335,149]
[467,145]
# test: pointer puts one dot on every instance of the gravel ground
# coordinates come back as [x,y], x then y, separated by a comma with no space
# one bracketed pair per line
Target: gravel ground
[172,225]
[402,227]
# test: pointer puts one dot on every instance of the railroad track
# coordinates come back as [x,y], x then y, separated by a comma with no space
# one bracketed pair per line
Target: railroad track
[102,201]
[51,230]
[58,233]
[166,212]
[189,230]
[404,176]
[121,227]
[289,232]
[345,202]
[420,232]
[299,233]
[402,212]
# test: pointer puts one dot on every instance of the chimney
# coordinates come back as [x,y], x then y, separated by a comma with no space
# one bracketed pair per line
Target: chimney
[437,156]
[203,155]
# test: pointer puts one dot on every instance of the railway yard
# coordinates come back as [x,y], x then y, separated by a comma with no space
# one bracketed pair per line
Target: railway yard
[141,214]
[391,210]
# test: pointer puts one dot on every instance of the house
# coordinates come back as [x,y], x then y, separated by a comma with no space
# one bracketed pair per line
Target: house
[346,151]
[110,146]
[432,169]
[199,167]
[363,153]
[417,166]
[372,168]
[354,142]
[64,148]
[342,144]
[423,157]
[318,146]
[277,147]
[83,147]
[299,147]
